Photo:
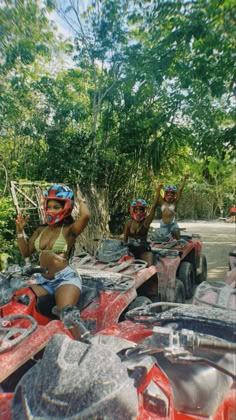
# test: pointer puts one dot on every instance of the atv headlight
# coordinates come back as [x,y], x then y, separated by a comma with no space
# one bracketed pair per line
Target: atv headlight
[155,400]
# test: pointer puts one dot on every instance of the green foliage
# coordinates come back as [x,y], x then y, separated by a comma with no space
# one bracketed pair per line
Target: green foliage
[8,229]
[26,40]
[24,33]
[70,151]
[153,88]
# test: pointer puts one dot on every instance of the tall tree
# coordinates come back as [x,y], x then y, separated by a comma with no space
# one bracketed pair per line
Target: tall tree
[26,42]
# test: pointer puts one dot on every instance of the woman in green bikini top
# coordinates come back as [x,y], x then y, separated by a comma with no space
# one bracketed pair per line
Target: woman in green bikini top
[54,243]
[59,247]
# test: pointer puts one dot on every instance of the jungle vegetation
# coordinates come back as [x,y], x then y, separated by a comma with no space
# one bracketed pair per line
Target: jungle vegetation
[135,86]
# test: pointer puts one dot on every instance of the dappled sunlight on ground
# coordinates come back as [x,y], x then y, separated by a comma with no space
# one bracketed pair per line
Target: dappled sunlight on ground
[216,273]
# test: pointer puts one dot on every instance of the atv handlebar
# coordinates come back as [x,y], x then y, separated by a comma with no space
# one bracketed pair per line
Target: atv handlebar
[214,344]
[13,330]
[25,271]
[70,316]
[29,270]
[179,343]
[166,337]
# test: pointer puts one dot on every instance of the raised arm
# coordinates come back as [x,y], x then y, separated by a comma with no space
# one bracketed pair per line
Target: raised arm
[26,247]
[155,202]
[181,187]
[80,224]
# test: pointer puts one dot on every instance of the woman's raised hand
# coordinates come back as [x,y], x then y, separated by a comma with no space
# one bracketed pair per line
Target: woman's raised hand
[21,222]
[79,194]
[152,176]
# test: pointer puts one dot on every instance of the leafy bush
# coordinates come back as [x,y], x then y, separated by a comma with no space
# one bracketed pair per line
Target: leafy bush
[8,245]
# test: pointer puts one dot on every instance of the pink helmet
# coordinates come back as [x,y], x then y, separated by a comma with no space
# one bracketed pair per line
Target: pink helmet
[58,193]
[170,189]
[140,214]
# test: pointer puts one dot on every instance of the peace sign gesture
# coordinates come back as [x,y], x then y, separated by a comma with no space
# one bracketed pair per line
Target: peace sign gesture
[21,222]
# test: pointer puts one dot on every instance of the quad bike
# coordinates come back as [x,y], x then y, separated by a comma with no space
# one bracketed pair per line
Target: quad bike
[191,269]
[111,286]
[106,292]
[114,281]
[27,323]
[230,277]
[232,215]
[142,281]
[219,294]
[178,266]
[166,361]
[173,383]
[23,331]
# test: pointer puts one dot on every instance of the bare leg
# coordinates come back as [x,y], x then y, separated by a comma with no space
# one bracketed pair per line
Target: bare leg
[176,234]
[148,257]
[39,290]
[67,294]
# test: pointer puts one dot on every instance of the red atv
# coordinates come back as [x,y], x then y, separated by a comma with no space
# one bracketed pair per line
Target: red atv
[220,294]
[230,277]
[182,275]
[232,215]
[113,282]
[166,361]
[130,282]
[177,268]
[27,324]
[167,385]
[109,290]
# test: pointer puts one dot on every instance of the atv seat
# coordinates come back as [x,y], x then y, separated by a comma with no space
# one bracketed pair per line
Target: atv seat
[45,304]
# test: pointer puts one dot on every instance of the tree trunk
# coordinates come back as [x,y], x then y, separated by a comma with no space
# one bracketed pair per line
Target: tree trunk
[98,225]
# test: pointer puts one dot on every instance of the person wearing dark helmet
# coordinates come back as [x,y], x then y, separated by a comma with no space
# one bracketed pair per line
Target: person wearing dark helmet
[168,204]
[53,242]
[137,227]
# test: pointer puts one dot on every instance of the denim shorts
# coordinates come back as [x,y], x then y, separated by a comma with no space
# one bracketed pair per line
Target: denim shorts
[171,227]
[139,248]
[68,275]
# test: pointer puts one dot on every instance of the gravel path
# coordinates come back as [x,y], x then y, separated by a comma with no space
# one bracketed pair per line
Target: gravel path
[219,238]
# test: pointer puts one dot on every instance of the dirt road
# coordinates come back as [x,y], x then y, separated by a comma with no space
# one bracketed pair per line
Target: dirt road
[219,238]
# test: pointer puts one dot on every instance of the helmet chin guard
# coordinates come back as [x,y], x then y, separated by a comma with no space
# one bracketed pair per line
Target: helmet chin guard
[138,209]
[170,189]
[60,193]
[51,218]
[169,198]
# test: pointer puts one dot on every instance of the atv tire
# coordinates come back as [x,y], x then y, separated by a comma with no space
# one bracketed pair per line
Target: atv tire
[179,292]
[186,275]
[203,275]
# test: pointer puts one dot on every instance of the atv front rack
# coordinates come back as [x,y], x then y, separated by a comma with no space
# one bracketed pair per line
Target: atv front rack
[127,267]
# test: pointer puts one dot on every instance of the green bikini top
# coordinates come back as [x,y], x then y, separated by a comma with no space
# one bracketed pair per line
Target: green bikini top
[59,247]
